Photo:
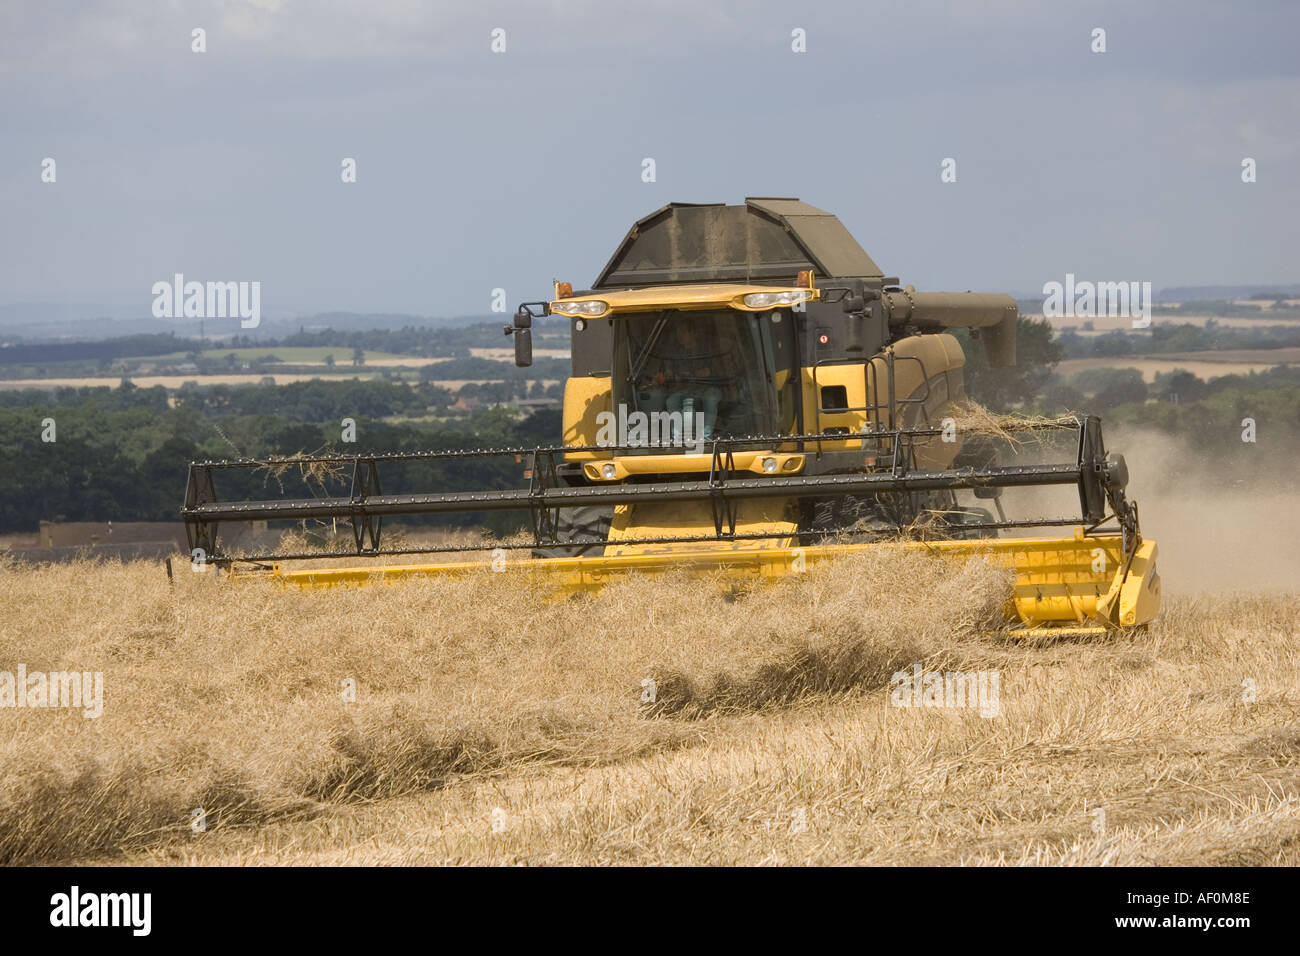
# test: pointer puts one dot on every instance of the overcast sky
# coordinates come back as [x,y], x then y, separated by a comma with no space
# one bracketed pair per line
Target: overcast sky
[478,170]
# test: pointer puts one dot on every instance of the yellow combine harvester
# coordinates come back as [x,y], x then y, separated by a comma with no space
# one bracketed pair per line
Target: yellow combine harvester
[750,393]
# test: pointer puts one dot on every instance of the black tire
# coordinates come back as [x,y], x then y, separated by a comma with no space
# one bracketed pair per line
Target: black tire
[587,527]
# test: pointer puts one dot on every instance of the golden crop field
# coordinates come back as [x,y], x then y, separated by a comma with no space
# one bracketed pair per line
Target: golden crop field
[472,721]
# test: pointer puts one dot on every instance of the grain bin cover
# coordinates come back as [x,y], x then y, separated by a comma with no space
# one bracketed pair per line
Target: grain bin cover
[765,240]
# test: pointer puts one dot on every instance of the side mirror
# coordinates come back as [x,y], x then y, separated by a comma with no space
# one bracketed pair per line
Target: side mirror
[523,347]
[522,330]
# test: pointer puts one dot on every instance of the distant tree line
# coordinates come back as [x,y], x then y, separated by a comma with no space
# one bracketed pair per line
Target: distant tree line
[1101,390]
[411,340]
[122,454]
[1183,337]
[124,346]
[493,369]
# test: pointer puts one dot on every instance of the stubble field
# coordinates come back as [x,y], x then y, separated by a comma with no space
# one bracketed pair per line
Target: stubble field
[491,727]
[675,720]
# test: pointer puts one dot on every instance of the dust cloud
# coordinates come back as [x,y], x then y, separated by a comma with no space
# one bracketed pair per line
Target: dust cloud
[1231,527]
[1221,524]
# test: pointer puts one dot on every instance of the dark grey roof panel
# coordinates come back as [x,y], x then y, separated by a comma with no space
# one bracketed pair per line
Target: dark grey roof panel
[763,240]
[824,236]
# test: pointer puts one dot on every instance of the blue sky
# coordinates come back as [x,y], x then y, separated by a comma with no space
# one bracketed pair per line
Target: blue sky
[481,170]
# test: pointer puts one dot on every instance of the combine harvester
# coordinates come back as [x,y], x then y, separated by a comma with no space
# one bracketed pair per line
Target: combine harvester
[749,392]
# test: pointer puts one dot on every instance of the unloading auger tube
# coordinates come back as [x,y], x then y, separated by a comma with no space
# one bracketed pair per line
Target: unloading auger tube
[1102,577]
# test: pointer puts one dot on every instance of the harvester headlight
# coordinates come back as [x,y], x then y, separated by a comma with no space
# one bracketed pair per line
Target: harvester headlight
[609,470]
[589,307]
[769,465]
[765,300]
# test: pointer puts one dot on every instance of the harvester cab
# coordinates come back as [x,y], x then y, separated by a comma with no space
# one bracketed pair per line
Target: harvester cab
[749,391]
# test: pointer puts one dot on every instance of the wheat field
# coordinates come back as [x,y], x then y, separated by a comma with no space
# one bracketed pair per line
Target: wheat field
[471,721]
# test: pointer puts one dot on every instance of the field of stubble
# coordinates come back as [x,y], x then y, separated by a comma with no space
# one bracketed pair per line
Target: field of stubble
[489,726]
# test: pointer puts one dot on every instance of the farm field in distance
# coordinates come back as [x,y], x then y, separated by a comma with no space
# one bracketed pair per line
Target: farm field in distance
[1098,325]
[291,355]
[1204,366]
[172,382]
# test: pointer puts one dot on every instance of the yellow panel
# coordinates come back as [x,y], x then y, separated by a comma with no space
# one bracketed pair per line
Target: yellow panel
[1134,597]
[679,519]
[926,367]
[752,461]
[1076,584]
[697,295]
[585,397]
[852,377]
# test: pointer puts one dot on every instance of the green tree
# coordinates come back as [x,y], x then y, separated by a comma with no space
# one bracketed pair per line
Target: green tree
[1178,386]
[1002,389]
[1111,387]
